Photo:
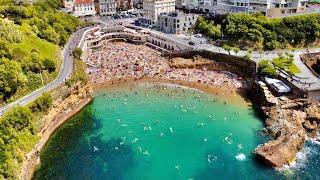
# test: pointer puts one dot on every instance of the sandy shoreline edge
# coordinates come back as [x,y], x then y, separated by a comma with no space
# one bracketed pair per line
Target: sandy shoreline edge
[229,94]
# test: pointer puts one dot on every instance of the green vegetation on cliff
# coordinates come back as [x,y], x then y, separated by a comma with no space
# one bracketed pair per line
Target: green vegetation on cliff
[18,128]
[258,31]
[30,36]
[79,74]
[30,39]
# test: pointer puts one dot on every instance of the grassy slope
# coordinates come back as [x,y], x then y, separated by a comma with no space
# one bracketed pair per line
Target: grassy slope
[48,50]
[31,41]
[291,68]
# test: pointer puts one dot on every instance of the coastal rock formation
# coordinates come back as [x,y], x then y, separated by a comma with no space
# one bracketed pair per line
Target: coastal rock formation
[289,121]
[194,62]
[313,113]
[66,104]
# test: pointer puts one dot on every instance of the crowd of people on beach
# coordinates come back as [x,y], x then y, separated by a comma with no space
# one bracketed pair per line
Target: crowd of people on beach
[121,60]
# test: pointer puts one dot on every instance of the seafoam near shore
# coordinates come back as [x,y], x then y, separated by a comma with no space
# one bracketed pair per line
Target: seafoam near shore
[166,85]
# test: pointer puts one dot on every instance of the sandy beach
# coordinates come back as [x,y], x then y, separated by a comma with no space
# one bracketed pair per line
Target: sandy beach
[119,63]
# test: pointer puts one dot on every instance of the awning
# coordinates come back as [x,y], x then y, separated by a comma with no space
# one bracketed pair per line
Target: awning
[278,85]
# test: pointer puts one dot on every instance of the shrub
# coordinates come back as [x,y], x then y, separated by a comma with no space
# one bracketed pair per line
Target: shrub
[77,52]
[49,65]
[42,104]
[266,69]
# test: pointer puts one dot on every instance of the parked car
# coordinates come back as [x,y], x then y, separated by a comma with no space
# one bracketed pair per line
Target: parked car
[198,35]
[203,41]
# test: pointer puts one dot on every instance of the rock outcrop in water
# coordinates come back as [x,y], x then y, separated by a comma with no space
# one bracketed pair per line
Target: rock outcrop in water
[289,121]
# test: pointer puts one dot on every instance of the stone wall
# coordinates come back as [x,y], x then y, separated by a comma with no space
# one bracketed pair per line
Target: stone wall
[310,60]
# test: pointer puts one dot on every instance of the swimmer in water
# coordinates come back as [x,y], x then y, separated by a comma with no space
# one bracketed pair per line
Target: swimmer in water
[95,149]
[135,140]
[171,130]
[146,153]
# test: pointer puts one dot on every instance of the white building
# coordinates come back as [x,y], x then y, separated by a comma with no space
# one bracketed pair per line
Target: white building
[181,3]
[206,6]
[153,8]
[271,8]
[68,5]
[138,4]
[192,4]
[84,8]
[105,7]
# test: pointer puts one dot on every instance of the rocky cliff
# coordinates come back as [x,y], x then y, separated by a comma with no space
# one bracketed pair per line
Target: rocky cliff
[65,106]
[290,121]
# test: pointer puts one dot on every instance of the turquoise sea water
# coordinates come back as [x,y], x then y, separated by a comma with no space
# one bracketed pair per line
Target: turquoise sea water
[156,133]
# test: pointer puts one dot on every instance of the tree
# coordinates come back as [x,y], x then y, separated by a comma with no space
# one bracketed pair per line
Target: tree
[227,48]
[19,118]
[49,65]
[9,33]
[265,69]
[50,34]
[247,56]
[77,52]
[11,77]
[33,63]
[42,103]
[4,48]
[236,50]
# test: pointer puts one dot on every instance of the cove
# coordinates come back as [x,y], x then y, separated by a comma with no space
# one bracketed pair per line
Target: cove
[147,132]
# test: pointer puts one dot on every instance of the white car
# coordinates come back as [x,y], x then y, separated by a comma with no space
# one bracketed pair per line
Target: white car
[198,35]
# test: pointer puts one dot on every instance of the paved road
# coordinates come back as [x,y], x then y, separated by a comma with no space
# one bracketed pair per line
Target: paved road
[66,70]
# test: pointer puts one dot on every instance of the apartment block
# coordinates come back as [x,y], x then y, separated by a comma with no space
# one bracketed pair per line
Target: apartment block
[176,22]
[153,8]
[181,4]
[105,7]
[124,4]
[271,8]
[84,8]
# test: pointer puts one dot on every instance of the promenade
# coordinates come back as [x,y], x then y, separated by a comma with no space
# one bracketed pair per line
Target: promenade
[305,79]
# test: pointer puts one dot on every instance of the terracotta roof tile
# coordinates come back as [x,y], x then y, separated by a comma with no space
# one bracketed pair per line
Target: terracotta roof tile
[83,1]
